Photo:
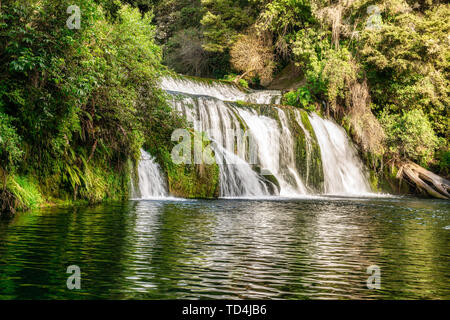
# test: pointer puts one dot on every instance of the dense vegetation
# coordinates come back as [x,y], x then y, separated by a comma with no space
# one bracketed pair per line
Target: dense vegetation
[76,105]
[381,67]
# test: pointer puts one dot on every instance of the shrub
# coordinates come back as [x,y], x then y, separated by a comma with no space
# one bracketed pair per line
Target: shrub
[444,162]
[10,152]
[253,55]
[410,135]
[300,98]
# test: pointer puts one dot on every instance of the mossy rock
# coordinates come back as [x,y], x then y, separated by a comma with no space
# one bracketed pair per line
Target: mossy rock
[272,183]
[194,181]
[308,165]
[191,180]
[9,204]
[387,182]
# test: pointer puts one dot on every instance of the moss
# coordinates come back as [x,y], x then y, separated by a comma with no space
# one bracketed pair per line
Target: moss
[374,181]
[272,184]
[308,165]
[194,181]
[242,123]
[386,181]
[191,180]
[307,124]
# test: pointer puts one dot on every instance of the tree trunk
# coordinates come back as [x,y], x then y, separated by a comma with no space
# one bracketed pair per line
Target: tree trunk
[425,180]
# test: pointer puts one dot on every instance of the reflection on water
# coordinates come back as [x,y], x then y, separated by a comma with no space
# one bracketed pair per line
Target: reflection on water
[283,249]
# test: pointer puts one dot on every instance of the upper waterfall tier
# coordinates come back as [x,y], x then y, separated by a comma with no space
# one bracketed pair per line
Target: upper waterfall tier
[222,90]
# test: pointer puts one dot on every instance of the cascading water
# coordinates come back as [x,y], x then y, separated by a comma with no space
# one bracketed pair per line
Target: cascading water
[261,148]
[151,183]
[342,168]
[220,121]
[220,90]
[275,149]
[211,107]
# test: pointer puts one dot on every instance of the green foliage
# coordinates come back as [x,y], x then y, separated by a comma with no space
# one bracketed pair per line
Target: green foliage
[408,61]
[223,20]
[232,77]
[25,190]
[282,19]
[444,162]
[300,98]
[10,152]
[328,71]
[410,135]
[76,105]
[180,34]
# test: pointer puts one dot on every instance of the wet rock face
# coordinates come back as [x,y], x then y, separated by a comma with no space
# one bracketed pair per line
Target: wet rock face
[307,152]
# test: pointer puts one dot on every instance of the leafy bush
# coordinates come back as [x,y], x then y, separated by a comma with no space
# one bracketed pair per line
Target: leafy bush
[10,152]
[329,71]
[444,162]
[83,101]
[9,142]
[300,98]
[407,62]
[410,135]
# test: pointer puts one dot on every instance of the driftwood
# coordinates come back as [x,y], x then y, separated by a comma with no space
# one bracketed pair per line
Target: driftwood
[425,180]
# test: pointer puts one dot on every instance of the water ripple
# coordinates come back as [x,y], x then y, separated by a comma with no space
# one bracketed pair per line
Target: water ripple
[230,249]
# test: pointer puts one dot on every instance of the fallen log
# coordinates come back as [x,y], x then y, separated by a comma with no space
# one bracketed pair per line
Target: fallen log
[427,181]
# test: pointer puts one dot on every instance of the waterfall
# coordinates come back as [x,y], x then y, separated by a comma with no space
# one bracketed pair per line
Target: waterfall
[237,178]
[342,168]
[260,147]
[275,149]
[151,183]
[269,158]
[220,121]
[224,91]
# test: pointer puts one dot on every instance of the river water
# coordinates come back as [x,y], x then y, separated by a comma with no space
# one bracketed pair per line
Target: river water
[274,248]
